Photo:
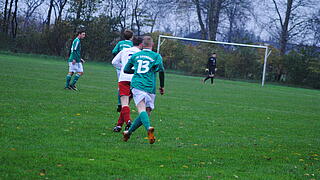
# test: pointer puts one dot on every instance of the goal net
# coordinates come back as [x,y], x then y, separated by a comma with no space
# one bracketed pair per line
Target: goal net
[234,60]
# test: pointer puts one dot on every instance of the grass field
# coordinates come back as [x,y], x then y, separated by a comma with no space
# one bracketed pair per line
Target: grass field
[233,130]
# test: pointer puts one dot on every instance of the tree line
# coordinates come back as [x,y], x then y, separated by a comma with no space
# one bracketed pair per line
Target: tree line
[48,27]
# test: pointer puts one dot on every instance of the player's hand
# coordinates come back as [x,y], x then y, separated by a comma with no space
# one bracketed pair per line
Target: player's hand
[161,90]
[82,61]
[216,69]
[74,62]
[207,70]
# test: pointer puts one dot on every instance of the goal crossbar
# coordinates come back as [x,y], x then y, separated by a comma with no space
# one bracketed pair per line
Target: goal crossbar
[225,43]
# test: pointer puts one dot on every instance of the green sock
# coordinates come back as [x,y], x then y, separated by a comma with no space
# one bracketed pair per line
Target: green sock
[68,78]
[119,100]
[135,125]
[145,119]
[75,79]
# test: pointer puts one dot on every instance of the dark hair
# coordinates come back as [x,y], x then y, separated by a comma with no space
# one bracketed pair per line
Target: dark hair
[80,31]
[137,40]
[127,34]
[147,41]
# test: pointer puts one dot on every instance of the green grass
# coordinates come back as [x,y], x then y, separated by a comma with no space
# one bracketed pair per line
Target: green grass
[233,130]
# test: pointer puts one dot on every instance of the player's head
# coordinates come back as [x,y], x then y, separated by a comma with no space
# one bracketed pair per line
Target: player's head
[81,33]
[127,34]
[147,42]
[137,41]
[214,54]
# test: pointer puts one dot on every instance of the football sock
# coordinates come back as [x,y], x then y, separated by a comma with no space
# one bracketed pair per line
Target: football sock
[120,120]
[125,111]
[145,119]
[75,79]
[212,80]
[68,78]
[135,125]
[119,98]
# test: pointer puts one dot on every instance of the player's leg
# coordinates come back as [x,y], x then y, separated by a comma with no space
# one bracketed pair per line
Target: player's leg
[120,122]
[68,79]
[125,94]
[118,93]
[119,107]
[213,71]
[138,97]
[206,79]
[69,75]
[149,103]
[78,75]
[137,122]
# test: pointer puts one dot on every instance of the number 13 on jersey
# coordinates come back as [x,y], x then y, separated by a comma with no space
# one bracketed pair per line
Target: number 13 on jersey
[143,66]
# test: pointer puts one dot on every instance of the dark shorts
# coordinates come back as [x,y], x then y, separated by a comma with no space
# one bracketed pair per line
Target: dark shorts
[124,88]
[212,70]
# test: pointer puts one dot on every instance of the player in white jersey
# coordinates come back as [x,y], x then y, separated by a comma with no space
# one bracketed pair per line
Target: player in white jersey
[124,81]
[127,43]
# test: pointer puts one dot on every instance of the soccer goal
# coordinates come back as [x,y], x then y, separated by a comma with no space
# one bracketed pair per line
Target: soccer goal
[266,52]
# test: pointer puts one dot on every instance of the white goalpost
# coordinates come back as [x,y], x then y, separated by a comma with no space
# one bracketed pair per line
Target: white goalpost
[225,43]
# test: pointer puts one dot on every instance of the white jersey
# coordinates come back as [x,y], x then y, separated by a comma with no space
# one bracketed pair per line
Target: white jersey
[122,59]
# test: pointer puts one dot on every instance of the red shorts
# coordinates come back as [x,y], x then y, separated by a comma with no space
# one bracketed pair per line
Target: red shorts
[124,88]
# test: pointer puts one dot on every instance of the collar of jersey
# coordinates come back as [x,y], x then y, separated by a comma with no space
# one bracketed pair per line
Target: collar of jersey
[146,49]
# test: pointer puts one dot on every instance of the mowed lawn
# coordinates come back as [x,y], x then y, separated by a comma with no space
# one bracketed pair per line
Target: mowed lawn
[232,130]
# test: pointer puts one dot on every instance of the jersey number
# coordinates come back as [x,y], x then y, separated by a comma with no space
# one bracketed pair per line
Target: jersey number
[143,66]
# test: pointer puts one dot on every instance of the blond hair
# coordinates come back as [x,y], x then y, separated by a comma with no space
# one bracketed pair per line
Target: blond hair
[147,41]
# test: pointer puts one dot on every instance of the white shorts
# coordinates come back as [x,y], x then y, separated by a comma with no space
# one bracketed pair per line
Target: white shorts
[139,95]
[77,67]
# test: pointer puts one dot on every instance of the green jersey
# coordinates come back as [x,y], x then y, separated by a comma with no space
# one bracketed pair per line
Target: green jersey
[75,51]
[146,63]
[121,45]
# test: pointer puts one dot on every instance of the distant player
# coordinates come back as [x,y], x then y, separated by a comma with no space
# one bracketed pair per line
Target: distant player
[146,64]
[75,61]
[211,67]
[127,43]
[120,61]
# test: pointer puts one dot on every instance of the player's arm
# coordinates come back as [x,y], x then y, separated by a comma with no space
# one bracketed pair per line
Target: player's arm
[161,78]
[116,61]
[128,68]
[76,50]
[115,50]
[161,75]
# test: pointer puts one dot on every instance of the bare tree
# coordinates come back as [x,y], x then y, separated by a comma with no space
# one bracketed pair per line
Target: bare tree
[237,13]
[4,25]
[214,10]
[59,6]
[199,15]
[211,11]
[7,20]
[313,33]
[290,21]
[32,5]
[14,22]
[49,13]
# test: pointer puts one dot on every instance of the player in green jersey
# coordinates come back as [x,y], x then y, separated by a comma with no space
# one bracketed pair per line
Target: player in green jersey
[127,43]
[146,64]
[75,61]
